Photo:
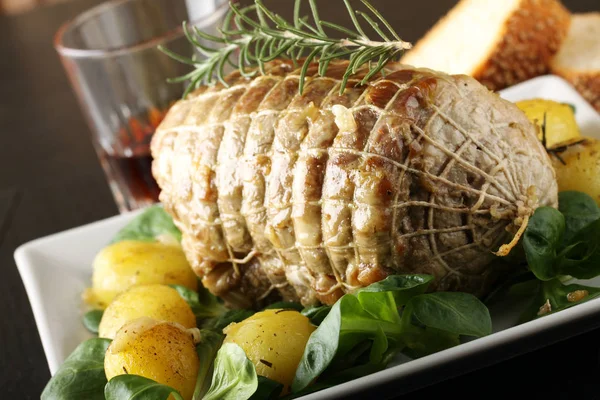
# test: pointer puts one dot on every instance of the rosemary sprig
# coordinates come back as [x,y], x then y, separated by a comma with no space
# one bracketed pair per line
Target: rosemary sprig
[252,36]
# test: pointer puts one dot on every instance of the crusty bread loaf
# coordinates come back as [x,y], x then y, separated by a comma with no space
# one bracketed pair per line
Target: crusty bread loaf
[578,60]
[498,42]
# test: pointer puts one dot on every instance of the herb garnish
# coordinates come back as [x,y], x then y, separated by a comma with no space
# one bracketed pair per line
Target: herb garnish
[252,36]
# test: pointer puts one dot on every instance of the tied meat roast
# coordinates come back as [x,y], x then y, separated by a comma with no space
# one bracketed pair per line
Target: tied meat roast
[305,197]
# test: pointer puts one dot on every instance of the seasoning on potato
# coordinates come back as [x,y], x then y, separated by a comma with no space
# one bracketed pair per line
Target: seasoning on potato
[156,301]
[121,265]
[578,168]
[274,340]
[162,351]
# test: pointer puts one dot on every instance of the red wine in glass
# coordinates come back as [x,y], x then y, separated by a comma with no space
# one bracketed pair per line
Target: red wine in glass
[129,163]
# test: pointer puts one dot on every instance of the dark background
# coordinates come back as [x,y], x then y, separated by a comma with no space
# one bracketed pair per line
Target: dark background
[50,180]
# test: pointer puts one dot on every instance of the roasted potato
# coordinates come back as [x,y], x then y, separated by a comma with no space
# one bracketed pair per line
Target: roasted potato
[561,127]
[274,340]
[578,167]
[159,302]
[161,351]
[121,265]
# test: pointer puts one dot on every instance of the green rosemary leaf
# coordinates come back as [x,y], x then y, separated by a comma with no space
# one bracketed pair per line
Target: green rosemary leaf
[274,43]
[310,35]
[347,73]
[283,49]
[257,35]
[380,17]
[374,24]
[323,67]
[205,51]
[323,64]
[183,78]
[229,62]
[339,28]
[207,36]
[243,61]
[175,56]
[340,54]
[241,18]
[225,28]
[305,23]
[296,56]
[190,37]
[305,66]
[258,49]
[273,17]
[281,22]
[238,20]
[221,66]
[267,45]
[261,17]
[209,71]
[359,43]
[245,52]
[365,56]
[315,13]
[297,14]
[383,60]
[354,19]
[263,50]
[191,86]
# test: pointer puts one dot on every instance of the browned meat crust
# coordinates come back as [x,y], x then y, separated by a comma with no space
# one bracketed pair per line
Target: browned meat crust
[306,197]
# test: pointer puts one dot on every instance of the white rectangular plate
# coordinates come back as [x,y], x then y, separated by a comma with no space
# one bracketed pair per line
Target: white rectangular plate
[57,268]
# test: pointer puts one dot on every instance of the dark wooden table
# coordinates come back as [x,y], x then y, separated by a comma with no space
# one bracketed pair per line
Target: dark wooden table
[50,180]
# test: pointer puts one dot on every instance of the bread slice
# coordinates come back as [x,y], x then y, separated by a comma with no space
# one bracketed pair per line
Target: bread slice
[498,42]
[578,59]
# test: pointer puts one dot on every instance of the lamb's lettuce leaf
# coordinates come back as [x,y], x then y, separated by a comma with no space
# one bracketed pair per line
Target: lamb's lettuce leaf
[316,314]
[579,210]
[542,241]
[362,331]
[91,320]
[553,296]
[152,224]
[436,321]
[564,242]
[234,376]
[203,303]
[135,387]
[207,349]
[267,389]
[81,376]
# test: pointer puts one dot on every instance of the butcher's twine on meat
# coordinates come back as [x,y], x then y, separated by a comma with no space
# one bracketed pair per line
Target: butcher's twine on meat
[309,196]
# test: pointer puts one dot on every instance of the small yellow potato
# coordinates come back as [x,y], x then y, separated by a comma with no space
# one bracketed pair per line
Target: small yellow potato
[155,301]
[121,265]
[581,168]
[561,127]
[274,340]
[162,351]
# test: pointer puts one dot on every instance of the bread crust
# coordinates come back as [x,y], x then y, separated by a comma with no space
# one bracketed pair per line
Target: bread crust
[586,79]
[530,37]
[587,83]
[527,45]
